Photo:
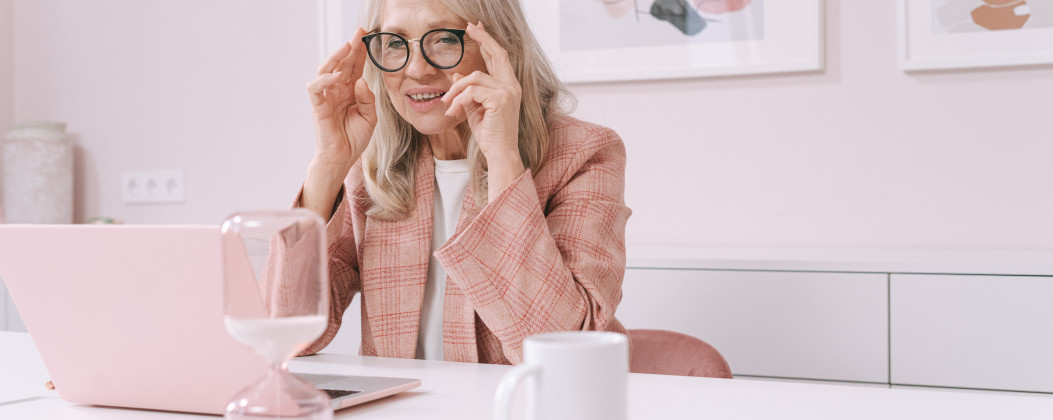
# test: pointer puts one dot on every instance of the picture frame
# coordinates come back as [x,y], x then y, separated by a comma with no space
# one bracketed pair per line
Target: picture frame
[642,45]
[792,41]
[959,34]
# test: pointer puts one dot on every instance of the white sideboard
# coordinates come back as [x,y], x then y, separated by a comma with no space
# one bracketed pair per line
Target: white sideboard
[991,332]
[946,318]
[831,326]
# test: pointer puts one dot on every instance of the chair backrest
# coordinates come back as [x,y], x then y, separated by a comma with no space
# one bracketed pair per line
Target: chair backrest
[672,353]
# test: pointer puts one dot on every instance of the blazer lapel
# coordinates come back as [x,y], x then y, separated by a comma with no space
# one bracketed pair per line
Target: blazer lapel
[395,269]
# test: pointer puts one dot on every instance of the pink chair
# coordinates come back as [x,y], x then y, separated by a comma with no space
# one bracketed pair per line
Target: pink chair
[671,353]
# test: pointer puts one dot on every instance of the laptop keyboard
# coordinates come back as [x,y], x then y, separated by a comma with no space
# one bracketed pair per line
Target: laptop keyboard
[337,393]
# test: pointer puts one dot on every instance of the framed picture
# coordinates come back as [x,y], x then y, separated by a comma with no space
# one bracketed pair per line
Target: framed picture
[944,34]
[606,40]
[609,40]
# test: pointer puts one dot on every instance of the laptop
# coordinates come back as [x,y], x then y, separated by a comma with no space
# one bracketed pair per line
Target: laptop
[132,316]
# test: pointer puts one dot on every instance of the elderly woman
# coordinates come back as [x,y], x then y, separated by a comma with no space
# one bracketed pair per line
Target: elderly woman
[462,202]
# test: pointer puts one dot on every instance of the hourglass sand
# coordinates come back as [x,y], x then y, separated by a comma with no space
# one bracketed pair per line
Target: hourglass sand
[276,300]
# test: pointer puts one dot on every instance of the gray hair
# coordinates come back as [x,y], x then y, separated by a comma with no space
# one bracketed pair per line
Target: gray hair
[389,161]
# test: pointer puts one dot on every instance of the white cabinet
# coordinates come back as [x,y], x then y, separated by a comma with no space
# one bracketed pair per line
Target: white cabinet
[806,325]
[980,319]
[988,332]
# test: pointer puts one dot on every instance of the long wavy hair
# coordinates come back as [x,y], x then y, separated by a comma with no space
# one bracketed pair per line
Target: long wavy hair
[391,157]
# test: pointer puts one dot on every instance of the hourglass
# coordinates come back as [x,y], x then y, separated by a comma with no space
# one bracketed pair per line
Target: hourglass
[276,300]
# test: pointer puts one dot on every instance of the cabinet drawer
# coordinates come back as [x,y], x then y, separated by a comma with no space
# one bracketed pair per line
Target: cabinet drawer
[987,332]
[785,324]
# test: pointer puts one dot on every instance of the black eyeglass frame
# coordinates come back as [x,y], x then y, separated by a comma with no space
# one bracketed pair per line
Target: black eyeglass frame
[420,41]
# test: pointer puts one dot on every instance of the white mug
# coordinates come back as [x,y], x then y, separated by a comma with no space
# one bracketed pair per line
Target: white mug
[578,375]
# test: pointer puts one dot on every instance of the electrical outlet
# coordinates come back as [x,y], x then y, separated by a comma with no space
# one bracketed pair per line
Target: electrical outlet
[152,186]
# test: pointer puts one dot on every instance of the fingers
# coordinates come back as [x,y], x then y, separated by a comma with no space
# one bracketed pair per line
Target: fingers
[318,87]
[469,99]
[460,83]
[495,57]
[346,56]
[333,61]
[366,101]
[337,77]
[354,62]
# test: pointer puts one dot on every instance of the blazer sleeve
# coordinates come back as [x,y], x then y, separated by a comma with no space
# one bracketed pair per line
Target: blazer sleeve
[344,281]
[529,269]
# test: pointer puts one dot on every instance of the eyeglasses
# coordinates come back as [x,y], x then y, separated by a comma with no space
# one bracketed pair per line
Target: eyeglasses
[442,48]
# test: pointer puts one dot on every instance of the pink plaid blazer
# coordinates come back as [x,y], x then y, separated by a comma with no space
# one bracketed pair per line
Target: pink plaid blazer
[547,255]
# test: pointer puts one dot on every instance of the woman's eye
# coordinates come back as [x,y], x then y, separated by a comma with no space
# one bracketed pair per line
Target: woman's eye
[396,43]
[448,40]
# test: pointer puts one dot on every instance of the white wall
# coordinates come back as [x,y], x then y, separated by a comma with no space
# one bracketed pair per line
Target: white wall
[213,88]
[860,154]
[7,81]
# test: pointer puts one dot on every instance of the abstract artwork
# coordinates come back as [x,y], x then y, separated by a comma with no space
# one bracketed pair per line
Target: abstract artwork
[608,40]
[635,23]
[938,34]
[955,16]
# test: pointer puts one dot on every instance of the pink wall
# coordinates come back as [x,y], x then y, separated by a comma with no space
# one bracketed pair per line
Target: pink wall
[860,154]
[213,88]
[7,81]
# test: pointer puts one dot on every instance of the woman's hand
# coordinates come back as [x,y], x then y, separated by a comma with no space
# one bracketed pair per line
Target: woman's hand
[343,105]
[491,102]
[344,118]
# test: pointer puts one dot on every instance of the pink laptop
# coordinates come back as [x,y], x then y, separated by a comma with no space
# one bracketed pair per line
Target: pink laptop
[132,316]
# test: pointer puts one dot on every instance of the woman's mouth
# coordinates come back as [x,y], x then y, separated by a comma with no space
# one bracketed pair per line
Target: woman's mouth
[422,102]
[425,97]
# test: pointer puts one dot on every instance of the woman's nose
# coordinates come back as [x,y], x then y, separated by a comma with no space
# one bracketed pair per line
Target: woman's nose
[418,67]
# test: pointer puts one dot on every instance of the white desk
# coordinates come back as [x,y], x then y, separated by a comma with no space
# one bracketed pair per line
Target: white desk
[465,391]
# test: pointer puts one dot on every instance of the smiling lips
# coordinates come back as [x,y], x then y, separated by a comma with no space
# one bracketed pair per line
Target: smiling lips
[422,97]
[423,100]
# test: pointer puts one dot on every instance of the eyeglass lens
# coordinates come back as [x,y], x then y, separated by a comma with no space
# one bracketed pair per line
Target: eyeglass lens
[390,52]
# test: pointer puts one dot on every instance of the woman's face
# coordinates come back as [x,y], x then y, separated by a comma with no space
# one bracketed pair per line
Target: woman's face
[416,90]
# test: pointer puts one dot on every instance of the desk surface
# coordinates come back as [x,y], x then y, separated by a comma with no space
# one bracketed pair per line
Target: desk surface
[465,391]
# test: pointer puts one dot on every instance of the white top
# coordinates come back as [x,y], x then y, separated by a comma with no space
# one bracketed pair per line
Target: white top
[464,391]
[451,183]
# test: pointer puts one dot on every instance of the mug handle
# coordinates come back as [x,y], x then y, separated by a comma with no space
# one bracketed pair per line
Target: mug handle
[507,388]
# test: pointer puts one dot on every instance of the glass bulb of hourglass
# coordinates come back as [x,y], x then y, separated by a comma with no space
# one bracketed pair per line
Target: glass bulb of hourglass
[276,300]
[277,339]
